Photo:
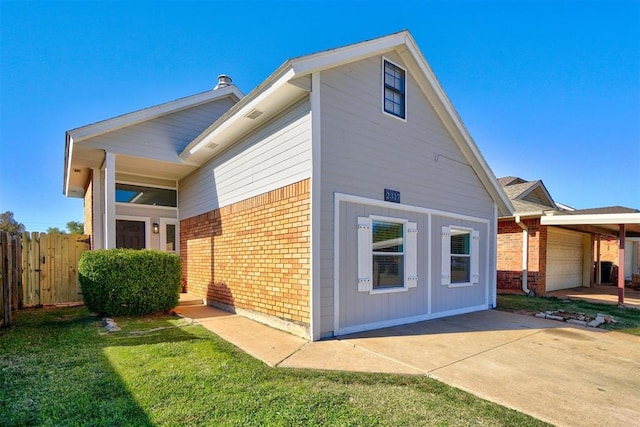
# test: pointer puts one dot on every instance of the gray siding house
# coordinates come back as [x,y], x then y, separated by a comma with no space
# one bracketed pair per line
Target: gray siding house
[342,194]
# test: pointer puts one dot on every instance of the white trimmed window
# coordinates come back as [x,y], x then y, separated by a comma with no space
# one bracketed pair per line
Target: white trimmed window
[460,256]
[387,254]
[394,89]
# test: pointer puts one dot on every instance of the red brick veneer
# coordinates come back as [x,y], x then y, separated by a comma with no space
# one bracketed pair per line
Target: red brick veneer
[254,254]
[509,263]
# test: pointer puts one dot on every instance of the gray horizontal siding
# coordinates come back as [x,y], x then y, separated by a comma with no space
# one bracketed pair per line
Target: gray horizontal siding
[450,298]
[162,138]
[361,308]
[364,151]
[276,155]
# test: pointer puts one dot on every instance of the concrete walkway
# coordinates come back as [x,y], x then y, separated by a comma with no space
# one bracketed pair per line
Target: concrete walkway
[558,373]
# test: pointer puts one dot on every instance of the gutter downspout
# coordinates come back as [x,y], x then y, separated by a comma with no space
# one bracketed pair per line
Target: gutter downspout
[525,255]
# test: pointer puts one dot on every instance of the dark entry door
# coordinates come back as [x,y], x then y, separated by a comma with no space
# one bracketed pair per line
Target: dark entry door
[130,234]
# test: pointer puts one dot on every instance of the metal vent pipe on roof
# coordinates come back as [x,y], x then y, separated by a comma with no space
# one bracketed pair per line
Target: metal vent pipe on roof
[223,81]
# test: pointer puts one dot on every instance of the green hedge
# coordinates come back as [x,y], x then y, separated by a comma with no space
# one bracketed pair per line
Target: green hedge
[129,282]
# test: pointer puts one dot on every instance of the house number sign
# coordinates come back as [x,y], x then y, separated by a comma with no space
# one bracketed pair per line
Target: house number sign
[391,196]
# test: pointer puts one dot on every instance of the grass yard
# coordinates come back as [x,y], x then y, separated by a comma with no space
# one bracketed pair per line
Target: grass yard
[57,367]
[628,318]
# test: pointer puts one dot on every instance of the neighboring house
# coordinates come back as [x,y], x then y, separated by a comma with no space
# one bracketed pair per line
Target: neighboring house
[546,246]
[342,194]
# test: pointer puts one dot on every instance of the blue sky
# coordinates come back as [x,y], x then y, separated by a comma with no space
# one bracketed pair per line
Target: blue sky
[548,90]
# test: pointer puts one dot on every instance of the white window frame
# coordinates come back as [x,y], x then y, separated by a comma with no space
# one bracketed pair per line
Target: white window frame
[404,119]
[474,255]
[366,254]
[163,233]
[139,184]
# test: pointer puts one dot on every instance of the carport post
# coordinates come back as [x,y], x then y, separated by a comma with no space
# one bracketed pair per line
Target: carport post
[621,242]
[598,264]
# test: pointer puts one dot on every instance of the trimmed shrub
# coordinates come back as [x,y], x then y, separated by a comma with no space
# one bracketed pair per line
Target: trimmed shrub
[119,282]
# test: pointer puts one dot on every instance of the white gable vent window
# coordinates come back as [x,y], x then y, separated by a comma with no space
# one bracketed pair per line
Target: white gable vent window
[387,254]
[394,89]
[460,256]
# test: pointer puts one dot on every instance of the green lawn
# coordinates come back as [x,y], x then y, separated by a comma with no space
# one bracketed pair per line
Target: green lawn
[628,318]
[58,368]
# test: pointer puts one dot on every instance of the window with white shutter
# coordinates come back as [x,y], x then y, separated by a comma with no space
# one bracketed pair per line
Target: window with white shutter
[387,254]
[460,256]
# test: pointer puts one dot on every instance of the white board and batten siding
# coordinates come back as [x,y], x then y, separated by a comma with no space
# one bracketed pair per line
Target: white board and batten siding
[364,151]
[276,155]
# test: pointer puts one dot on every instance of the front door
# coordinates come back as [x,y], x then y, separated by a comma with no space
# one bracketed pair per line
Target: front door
[130,234]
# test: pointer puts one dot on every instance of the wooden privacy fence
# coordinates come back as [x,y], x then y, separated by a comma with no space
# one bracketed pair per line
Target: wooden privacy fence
[39,269]
[50,268]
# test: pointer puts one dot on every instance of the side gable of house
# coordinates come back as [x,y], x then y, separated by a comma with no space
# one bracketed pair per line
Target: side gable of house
[527,197]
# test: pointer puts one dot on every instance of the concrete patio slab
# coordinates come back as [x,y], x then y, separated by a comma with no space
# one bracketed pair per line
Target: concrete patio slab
[600,294]
[270,345]
[337,355]
[566,376]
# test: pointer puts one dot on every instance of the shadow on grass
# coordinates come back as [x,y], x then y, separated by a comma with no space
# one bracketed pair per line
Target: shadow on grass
[54,370]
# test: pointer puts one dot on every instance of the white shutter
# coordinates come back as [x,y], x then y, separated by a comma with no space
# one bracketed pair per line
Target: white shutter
[365,255]
[446,256]
[475,256]
[411,256]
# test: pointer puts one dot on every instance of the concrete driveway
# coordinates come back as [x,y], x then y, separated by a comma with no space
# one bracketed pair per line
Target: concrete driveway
[561,374]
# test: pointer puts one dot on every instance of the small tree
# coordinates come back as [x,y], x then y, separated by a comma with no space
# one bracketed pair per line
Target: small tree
[9,224]
[54,230]
[75,227]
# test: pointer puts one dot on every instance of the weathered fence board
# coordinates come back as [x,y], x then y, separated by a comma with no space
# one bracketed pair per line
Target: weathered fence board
[10,277]
[5,288]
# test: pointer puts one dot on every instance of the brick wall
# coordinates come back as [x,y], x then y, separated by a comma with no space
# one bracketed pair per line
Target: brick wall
[254,254]
[88,208]
[509,261]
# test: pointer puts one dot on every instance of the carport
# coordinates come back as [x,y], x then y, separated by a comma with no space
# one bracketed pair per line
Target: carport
[619,225]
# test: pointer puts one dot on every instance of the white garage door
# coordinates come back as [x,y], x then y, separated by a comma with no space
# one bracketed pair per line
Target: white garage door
[564,259]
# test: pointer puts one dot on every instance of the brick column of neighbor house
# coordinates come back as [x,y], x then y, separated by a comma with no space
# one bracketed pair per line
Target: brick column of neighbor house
[253,254]
[509,263]
[541,257]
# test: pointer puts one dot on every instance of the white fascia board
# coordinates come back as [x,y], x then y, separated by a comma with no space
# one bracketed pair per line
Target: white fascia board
[208,135]
[67,167]
[489,180]
[145,114]
[592,219]
[343,55]
[524,215]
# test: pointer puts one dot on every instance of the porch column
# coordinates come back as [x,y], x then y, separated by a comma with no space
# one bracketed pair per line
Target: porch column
[110,201]
[621,242]
[96,209]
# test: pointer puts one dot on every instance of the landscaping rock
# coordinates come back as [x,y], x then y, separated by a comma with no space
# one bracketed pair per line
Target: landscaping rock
[110,325]
[576,318]
[596,322]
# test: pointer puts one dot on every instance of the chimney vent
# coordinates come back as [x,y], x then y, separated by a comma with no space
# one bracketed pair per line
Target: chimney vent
[223,81]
